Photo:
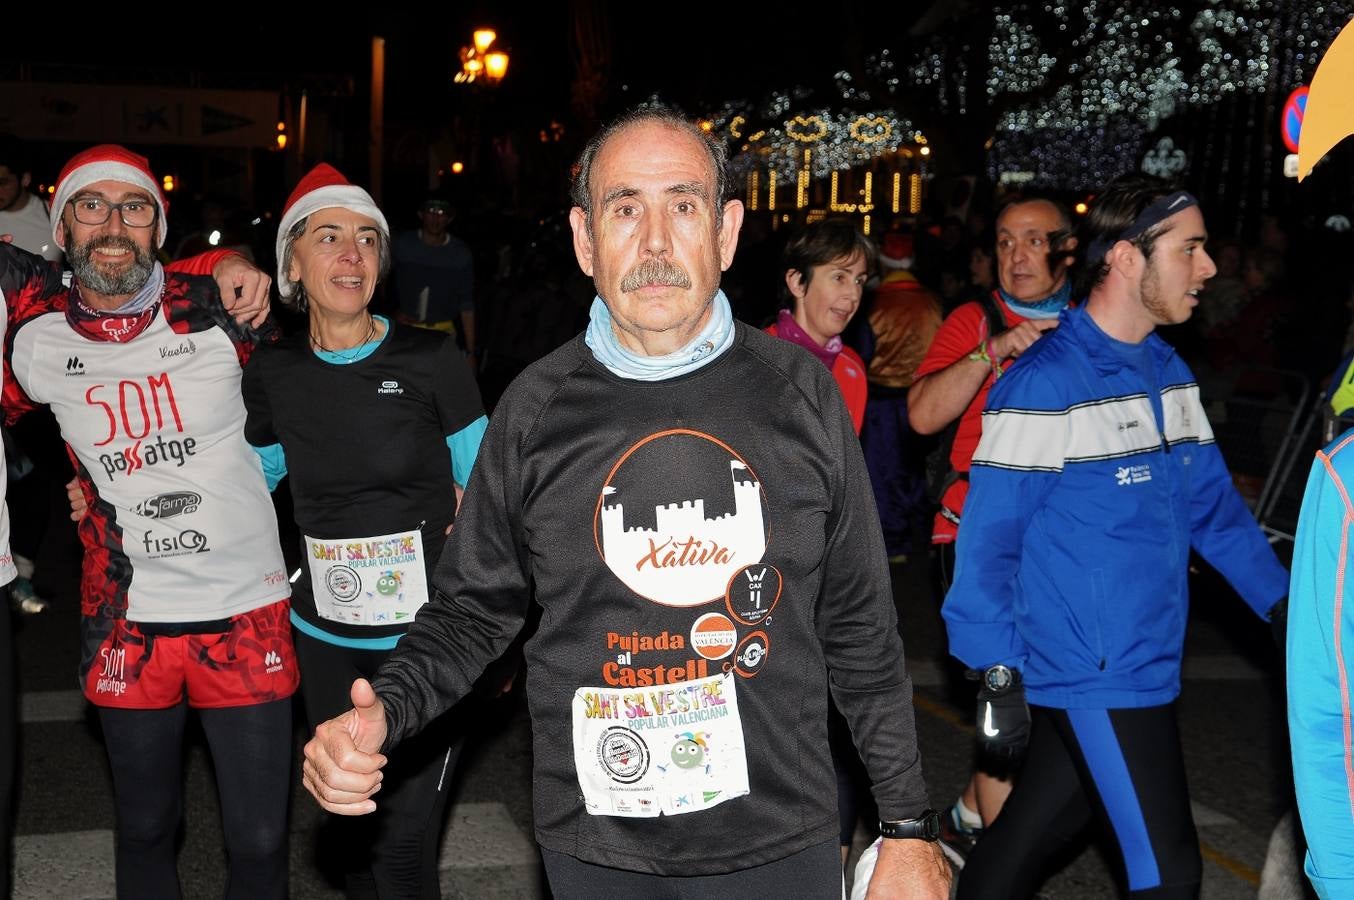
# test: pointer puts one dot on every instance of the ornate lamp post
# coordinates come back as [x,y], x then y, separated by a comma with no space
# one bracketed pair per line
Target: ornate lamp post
[481,60]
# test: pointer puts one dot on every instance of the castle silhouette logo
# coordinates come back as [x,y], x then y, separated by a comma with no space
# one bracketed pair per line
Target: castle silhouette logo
[678,515]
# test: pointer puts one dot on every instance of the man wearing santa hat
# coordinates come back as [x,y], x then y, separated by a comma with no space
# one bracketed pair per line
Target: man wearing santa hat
[184,594]
[903,320]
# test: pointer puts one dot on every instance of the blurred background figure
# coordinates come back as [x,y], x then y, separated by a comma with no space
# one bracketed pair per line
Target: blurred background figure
[219,230]
[826,266]
[435,274]
[37,463]
[903,319]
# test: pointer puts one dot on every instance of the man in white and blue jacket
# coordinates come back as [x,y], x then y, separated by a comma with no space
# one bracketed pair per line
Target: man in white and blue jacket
[1096,476]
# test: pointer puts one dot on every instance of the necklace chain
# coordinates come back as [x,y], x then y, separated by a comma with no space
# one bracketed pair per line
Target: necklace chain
[353,351]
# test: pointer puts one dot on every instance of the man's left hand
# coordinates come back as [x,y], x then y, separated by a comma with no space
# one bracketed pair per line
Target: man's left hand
[244,289]
[910,870]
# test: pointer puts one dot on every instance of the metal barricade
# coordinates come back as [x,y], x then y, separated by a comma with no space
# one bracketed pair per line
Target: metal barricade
[1268,429]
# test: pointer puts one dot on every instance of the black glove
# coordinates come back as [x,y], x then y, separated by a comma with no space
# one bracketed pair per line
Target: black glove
[1003,716]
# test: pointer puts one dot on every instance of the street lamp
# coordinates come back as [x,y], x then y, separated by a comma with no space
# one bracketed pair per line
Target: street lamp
[481,60]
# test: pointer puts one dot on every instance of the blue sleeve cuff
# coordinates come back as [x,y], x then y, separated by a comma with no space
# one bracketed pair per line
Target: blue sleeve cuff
[274,461]
[465,448]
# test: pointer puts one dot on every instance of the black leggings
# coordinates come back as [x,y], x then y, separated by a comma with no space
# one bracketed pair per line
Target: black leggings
[813,873]
[252,754]
[393,852]
[1121,767]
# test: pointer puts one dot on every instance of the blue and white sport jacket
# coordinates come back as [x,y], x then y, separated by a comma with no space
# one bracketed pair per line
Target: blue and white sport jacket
[1096,474]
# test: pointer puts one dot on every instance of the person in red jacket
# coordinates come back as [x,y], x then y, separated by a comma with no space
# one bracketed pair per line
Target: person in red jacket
[977,342]
[826,266]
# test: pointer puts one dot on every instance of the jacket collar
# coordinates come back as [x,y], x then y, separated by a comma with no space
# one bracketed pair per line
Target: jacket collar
[1100,347]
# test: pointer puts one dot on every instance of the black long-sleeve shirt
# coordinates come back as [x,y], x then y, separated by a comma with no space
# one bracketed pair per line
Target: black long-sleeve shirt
[719,522]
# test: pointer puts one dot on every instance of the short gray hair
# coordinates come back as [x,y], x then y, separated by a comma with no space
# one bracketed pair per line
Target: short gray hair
[660,114]
[296,297]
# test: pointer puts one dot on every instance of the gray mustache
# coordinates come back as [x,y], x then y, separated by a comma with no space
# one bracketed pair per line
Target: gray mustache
[655,271]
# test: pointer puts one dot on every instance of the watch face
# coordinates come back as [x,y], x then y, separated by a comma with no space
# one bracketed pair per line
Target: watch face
[997,678]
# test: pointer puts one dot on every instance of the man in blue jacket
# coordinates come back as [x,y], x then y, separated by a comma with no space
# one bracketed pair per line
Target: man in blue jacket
[1096,476]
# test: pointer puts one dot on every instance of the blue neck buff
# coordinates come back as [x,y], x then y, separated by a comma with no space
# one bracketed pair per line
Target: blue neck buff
[714,339]
[145,298]
[1048,308]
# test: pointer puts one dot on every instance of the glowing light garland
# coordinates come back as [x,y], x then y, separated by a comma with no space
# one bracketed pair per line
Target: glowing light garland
[840,138]
[1126,67]
[1081,88]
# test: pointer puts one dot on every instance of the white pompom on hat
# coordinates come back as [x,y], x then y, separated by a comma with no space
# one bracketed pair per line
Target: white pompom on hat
[323,187]
[107,162]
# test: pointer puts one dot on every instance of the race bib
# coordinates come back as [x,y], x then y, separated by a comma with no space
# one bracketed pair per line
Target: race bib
[368,581]
[664,750]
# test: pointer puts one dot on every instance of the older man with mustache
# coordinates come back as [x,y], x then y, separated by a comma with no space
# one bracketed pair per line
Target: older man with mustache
[184,595]
[685,498]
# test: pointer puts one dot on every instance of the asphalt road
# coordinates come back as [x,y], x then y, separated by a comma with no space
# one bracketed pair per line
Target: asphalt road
[1232,722]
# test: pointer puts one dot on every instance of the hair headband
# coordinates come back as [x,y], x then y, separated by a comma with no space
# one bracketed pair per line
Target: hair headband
[1156,212]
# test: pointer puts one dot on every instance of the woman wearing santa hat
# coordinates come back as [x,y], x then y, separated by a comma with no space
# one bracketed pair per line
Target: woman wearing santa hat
[378,426]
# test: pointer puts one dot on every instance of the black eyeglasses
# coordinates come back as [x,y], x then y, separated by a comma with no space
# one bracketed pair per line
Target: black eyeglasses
[96,211]
[435,211]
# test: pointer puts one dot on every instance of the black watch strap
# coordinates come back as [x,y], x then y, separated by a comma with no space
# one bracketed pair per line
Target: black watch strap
[925,827]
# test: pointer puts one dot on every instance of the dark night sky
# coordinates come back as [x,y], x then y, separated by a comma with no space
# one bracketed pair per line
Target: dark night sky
[747,51]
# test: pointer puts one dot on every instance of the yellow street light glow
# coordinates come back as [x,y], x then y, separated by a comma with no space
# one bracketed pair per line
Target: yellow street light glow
[483,38]
[1081,208]
[496,65]
[457,168]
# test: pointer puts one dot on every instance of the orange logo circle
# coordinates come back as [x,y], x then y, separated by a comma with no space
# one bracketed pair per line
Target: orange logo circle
[713,636]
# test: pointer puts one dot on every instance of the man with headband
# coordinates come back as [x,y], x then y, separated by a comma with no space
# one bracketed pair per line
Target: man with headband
[1096,475]
[974,345]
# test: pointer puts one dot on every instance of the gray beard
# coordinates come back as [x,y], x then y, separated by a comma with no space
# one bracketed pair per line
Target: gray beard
[91,277]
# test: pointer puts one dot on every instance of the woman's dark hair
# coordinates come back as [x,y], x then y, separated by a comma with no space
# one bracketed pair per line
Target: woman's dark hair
[823,242]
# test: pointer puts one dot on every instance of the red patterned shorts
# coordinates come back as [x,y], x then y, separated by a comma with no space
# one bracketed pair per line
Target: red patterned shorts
[240,661]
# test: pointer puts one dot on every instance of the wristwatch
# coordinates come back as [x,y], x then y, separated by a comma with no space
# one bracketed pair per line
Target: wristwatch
[926,827]
[998,679]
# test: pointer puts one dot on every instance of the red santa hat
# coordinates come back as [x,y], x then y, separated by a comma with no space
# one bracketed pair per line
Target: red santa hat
[323,187]
[896,251]
[107,162]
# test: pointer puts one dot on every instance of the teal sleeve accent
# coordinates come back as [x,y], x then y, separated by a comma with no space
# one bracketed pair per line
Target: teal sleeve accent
[465,448]
[274,461]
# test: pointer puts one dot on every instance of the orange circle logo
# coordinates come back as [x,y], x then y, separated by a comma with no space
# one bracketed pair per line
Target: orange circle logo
[713,636]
